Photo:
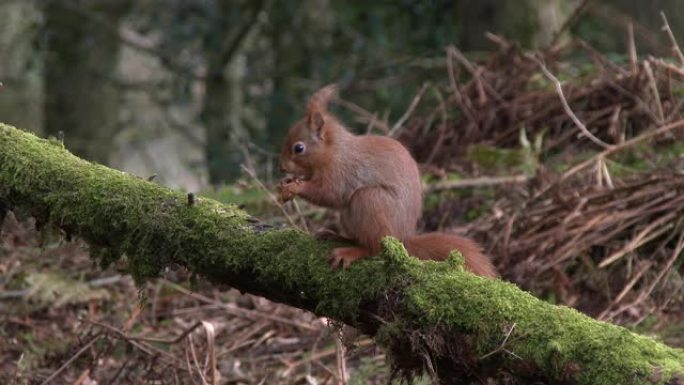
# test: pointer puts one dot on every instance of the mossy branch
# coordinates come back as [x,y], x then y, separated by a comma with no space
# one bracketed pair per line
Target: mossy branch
[432,317]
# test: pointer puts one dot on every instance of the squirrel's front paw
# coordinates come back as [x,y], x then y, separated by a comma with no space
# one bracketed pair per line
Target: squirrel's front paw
[288,188]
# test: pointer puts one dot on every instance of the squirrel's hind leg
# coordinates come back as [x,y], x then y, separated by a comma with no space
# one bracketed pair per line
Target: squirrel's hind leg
[346,255]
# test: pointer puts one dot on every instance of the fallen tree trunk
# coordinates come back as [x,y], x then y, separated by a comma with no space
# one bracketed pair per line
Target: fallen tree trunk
[431,317]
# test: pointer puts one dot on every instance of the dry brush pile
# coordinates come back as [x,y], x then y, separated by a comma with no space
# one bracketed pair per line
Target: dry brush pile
[598,222]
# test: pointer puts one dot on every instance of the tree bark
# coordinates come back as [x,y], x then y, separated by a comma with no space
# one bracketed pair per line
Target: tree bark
[431,317]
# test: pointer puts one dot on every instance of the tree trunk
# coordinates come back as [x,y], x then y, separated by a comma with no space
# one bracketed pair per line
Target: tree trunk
[430,316]
[81,53]
[532,23]
[21,96]
[311,24]
[223,100]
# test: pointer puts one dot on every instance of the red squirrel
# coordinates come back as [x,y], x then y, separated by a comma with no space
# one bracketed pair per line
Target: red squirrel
[372,180]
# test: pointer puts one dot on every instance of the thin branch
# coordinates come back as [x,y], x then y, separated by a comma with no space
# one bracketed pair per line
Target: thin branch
[675,47]
[613,149]
[644,236]
[442,128]
[72,359]
[211,351]
[456,90]
[414,103]
[654,89]
[606,315]
[566,106]
[143,346]
[476,74]
[569,22]
[503,344]
[270,195]
[253,315]
[633,58]
[671,67]
[340,350]
[364,114]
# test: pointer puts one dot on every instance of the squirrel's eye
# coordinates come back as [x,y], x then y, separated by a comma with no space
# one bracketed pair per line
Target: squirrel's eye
[298,148]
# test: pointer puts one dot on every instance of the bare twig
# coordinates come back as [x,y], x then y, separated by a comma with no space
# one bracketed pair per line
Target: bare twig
[644,236]
[675,47]
[654,89]
[211,352]
[72,359]
[631,43]
[342,374]
[566,106]
[241,312]
[442,128]
[301,216]
[503,344]
[195,361]
[270,195]
[614,149]
[606,315]
[414,103]
[668,265]
[476,74]
[671,67]
[141,345]
[457,95]
[366,116]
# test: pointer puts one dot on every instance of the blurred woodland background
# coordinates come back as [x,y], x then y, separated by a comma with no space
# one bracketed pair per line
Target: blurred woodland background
[189,90]
[196,92]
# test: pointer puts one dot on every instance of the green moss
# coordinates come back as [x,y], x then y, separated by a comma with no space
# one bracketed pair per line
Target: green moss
[547,334]
[456,260]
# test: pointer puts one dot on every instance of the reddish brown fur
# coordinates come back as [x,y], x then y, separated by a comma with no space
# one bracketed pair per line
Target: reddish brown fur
[372,180]
[438,246]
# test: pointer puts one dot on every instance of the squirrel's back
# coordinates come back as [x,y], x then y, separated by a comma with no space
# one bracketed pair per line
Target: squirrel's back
[387,197]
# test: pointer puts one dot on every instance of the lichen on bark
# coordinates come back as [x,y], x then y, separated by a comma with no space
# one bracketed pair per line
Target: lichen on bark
[428,315]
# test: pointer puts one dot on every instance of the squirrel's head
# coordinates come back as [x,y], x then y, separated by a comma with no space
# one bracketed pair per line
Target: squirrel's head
[308,143]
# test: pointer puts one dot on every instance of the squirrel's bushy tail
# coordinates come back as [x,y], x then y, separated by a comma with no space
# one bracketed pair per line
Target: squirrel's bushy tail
[438,246]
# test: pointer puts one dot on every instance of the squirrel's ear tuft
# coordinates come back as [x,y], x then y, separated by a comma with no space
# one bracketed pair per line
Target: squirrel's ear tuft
[317,108]
[319,100]
[317,124]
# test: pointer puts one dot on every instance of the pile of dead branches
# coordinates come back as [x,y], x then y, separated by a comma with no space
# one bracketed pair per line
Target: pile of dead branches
[599,104]
[613,251]
[603,234]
